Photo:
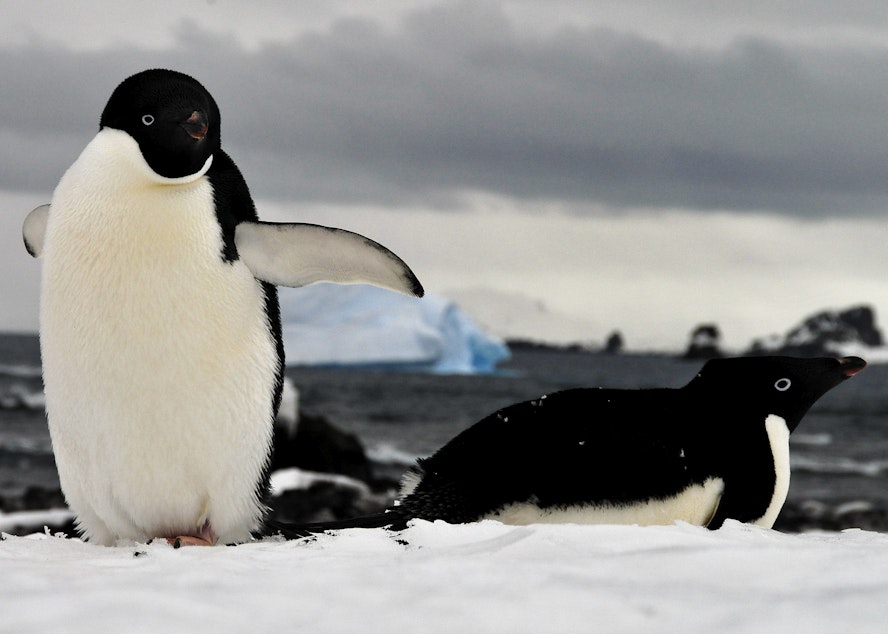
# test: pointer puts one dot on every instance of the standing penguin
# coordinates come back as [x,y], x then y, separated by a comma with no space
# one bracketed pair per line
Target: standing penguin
[159,319]
[715,449]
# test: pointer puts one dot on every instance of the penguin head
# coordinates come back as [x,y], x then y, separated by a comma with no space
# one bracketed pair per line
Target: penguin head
[171,116]
[784,386]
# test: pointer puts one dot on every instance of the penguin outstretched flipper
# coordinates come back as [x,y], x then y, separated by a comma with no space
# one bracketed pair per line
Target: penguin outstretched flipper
[292,254]
[34,230]
[297,254]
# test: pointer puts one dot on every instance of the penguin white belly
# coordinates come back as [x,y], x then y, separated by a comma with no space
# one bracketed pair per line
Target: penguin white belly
[159,363]
[695,505]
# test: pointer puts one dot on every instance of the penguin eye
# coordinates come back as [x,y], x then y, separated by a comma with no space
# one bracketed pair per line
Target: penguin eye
[147,119]
[782,385]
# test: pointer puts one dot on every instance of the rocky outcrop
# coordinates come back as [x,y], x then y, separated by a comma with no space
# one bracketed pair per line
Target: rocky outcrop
[705,342]
[318,445]
[614,343]
[824,334]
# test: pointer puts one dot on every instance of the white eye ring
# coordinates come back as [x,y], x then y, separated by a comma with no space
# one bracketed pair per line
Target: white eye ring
[147,119]
[782,385]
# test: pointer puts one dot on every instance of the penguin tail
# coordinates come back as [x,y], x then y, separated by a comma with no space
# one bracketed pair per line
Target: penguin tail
[388,519]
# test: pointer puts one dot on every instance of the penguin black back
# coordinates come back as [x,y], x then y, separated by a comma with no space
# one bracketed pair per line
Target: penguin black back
[712,450]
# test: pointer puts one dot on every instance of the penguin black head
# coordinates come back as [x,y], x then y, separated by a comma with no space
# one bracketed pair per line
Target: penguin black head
[170,115]
[785,386]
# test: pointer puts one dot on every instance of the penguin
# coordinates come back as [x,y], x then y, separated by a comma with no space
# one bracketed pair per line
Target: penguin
[160,326]
[715,449]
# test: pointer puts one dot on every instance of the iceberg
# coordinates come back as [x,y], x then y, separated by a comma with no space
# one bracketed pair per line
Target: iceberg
[365,326]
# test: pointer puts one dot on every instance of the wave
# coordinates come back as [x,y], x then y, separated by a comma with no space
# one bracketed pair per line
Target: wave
[812,440]
[15,449]
[21,371]
[384,453]
[840,466]
[19,396]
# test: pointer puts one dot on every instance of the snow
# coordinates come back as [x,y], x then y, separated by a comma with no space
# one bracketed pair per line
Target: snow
[327,324]
[11,521]
[288,479]
[435,577]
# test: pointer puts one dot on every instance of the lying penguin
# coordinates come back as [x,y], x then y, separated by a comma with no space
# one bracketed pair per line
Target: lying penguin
[159,322]
[715,449]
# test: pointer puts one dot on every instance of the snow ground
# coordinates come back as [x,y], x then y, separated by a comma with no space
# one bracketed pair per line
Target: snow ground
[435,577]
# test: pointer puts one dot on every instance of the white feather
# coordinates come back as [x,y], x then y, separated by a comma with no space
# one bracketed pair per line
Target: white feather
[778,436]
[158,361]
[409,481]
[695,505]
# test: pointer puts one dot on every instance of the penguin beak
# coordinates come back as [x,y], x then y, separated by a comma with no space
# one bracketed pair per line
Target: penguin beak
[196,125]
[851,365]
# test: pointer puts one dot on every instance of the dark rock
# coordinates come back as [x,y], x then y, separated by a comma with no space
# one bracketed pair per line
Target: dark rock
[320,446]
[40,498]
[704,343]
[32,498]
[614,343]
[326,500]
[317,445]
[820,334]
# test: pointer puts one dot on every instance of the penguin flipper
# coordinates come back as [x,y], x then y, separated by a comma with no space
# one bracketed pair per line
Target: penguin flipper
[34,230]
[297,254]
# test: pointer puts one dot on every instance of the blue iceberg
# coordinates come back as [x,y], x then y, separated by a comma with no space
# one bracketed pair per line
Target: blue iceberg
[365,326]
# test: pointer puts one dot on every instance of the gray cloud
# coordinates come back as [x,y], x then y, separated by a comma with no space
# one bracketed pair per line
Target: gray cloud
[455,98]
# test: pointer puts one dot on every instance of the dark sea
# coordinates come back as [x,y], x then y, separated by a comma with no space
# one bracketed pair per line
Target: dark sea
[839,452]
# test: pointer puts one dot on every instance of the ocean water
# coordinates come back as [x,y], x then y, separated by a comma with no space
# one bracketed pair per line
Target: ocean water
[839,453]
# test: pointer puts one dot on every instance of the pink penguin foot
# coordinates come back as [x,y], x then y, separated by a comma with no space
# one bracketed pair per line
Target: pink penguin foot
[206,537]
[188,540]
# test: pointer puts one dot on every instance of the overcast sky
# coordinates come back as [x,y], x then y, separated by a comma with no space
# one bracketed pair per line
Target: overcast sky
[643,165]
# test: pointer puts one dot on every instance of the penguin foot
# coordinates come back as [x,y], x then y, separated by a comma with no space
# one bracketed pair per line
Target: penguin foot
[188,540]
[205,537]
